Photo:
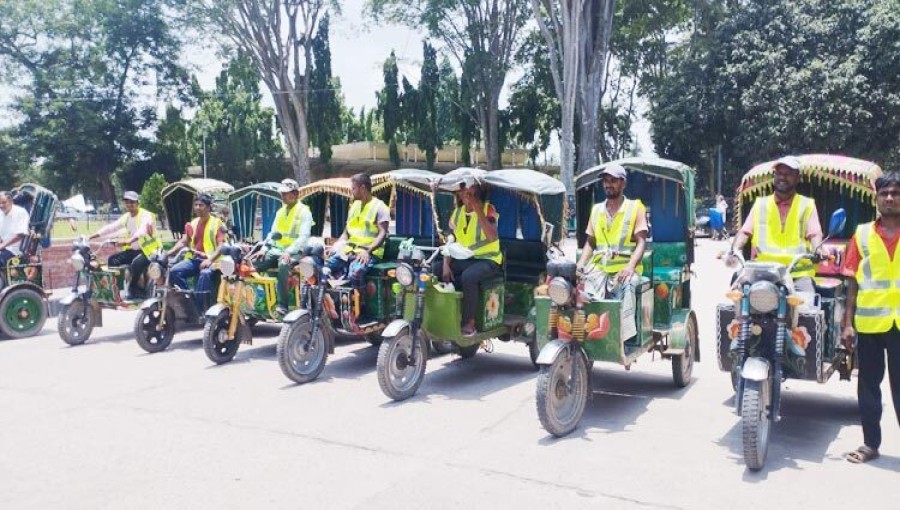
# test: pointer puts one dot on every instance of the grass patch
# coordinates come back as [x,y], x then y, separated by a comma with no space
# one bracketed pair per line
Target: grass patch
[66,230]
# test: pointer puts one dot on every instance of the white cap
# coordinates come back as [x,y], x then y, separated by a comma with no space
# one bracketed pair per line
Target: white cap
[790,162]
[616,170]
[288,185]
[131,195]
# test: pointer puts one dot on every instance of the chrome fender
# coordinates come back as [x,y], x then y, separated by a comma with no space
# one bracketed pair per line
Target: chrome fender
[150,303]
[294,316]
[550,352]
[215,310]
[755,369]
[394,328]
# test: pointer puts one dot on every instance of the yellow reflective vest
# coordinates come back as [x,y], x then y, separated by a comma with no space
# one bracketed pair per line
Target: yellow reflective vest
[288,222]
[878,277]
[210,232]
[149,243]
[362,226]
[775,241]
[617,234]
[474,238]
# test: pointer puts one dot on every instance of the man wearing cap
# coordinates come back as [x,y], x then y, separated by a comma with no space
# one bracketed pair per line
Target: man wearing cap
[783,225]
[205,236]
[618,227]
[137,226]
[294,222]
[13,228]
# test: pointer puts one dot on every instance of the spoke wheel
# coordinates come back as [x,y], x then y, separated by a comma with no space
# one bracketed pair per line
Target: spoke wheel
[755,422]
[147,332]
[75,323]
[22,313]
[562,395]
[299,362]
[399,373]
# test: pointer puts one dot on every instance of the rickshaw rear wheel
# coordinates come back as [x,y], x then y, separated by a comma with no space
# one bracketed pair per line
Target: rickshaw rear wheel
[217,348]
[399,376]
[22,313]
[468,351]
[562,395]
[442,346]
[75,324]
[297,363]
[146,333]
[683,365]
[755,422]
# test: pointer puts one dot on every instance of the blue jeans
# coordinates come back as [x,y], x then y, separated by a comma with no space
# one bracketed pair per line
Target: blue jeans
[356,272]
[185,269]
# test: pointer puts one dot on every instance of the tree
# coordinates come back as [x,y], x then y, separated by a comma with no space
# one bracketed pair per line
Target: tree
[82,67]
[324,105]
[429,85]
[389,109]
[533,107]
[481,35]
[151,194]
[447,103]
[12,159]
[278,37]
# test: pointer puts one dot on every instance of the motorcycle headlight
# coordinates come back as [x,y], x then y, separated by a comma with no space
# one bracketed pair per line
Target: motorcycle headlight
[154,271]
[560,291]
[763,296]
[307,267]
[226,266]
[77,261]
[405,275]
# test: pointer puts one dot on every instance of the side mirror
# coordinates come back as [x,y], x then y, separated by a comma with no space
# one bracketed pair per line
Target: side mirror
[276,236]
[837,223]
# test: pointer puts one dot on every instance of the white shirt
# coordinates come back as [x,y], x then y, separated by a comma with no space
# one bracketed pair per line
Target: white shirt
[16,222]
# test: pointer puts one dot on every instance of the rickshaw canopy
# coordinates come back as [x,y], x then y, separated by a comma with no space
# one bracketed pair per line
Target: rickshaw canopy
[41,205]
[331,198]
[178,199]
[261,199]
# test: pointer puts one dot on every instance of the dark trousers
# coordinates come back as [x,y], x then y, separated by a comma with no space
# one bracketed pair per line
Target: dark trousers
[467,274]
[138,263]
[5,256]
[870,351]
[206,280]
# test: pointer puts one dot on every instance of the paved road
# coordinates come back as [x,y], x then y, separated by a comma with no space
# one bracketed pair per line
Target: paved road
[105,425]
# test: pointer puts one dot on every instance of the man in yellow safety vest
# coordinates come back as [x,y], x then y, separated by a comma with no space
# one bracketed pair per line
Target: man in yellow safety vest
[294,221]
[139,241]
[205,236]
[618,230]
[871,322]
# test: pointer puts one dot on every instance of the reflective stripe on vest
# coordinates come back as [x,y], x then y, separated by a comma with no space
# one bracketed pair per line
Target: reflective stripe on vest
[619,235]
[475,239]
[779,242]
[149,243]
[210,231]
[362,226]
[288,223]
[878,299]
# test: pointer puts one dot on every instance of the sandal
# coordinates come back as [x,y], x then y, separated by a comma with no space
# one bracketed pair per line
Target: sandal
[862,455]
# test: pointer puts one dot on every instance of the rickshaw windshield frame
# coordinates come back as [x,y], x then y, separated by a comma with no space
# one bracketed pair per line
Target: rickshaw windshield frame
[178,200]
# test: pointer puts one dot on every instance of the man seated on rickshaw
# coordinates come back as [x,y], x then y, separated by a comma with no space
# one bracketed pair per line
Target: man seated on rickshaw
[294,221]
[617,226]
[361,244]
[13,229]
[783,225]
[138,228]
[474,225]
[205,236]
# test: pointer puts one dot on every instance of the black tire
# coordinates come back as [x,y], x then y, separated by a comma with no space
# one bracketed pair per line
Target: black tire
[468,352]
[559,409]
[298,364]
[217,349]
[22,313]
[399,379]
[533,353]
[146,333]
[683,365]
[375,339]
[756,422]
[442,346]
[73,328]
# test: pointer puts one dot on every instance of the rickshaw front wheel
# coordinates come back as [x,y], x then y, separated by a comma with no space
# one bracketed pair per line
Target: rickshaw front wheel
[216,345]
[755,422]
[399,373]
[22,313]
[75,323]
[300,362]
[147,332]
[562,394]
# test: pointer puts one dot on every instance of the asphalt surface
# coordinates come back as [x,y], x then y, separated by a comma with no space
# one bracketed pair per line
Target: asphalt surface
[105,425]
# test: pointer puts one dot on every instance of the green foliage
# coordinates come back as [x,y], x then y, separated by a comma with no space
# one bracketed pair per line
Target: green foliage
[324,121]
[428,105]
[151,194]
[12,159]
[389,108]
[533,107]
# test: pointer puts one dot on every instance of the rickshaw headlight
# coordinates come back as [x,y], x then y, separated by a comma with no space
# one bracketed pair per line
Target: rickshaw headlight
[226,266]
[154,271]
[307,267]
[77,261]
[764,297]
[560,291]
[405,275]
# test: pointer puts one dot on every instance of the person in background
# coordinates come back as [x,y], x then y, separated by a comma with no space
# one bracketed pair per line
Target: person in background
[13,228]
[205,236]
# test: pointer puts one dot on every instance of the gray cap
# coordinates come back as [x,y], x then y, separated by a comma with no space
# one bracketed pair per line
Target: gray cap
[616,170]
[288,185]
[131,195]
[790,162]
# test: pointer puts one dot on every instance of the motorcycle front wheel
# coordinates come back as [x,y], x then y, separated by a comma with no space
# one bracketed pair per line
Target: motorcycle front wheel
[147,332]
[756,422]
[301,359]
[562,394]
[399,372]
[218,348]
[75,323]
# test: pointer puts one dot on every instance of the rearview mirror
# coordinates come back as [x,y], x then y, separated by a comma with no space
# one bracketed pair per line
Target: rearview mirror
[837,223]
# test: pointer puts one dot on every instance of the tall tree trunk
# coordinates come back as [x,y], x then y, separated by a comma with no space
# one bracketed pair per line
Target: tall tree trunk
[590,121]
[492,136]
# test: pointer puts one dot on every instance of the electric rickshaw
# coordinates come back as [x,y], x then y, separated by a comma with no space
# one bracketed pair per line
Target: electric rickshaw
[576,328]
[768,332]
[527,202]
[23,301]
[329,305]
[98,286]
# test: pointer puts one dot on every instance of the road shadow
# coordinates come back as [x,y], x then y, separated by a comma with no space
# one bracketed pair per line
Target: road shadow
[357,359]
[100,340]
[810,423]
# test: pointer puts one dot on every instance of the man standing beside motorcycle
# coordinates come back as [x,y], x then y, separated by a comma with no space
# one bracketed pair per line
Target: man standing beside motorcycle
[294,223]
[139,244]
[783,225]
[871,317]
[205,236]
[618,229]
